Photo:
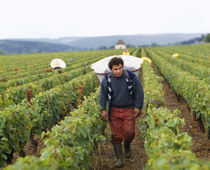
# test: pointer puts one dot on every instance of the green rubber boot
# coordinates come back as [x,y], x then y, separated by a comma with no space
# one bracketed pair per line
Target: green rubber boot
[127,149]
[118,152]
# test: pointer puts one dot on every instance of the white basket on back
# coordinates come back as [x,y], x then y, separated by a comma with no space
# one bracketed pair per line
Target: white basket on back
[131,63]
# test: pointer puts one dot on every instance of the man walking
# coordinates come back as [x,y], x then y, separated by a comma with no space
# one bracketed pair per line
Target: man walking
[123,92]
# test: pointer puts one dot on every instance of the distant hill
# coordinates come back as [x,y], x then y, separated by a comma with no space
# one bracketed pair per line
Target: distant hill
[61,40]
[88,43]
[193,40]
[21,46]
[135,40]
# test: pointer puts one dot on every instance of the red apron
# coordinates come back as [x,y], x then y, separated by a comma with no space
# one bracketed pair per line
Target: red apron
[122,124]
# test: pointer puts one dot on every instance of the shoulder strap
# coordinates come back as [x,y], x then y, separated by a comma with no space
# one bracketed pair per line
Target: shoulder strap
[129,80]
[108,79]
[109,89]
[129,75]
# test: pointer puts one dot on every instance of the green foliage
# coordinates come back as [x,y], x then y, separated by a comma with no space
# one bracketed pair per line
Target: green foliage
[166,147]
[136,52]
[70,144]
[152,87]
[197,54]
[14,130]
[53,95]
[207,38]
[45,110]
[194,90]
[14,95]
[192,67]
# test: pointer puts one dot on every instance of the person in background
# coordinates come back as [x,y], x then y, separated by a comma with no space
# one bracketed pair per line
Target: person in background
[122,91]
[126,52]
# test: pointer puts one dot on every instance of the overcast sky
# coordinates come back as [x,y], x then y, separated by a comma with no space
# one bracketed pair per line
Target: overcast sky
[67,18]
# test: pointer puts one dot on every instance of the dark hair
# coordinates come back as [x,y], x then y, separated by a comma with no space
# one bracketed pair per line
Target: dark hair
[115,61]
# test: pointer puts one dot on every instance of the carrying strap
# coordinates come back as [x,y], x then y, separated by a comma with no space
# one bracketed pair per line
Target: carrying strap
[129,82]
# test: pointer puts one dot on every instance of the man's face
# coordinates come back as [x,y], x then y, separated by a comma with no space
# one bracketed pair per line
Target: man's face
[117,70]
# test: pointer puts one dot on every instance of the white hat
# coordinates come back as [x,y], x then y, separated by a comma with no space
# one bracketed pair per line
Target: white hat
[55,63]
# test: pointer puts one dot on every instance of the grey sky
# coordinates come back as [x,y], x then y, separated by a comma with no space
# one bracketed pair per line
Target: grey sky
[61,18]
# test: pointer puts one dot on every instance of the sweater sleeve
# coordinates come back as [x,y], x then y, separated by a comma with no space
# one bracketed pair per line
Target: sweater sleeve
[139,93]
[103,94]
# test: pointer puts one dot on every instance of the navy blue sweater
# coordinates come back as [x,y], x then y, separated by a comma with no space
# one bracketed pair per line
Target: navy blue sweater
[120,93]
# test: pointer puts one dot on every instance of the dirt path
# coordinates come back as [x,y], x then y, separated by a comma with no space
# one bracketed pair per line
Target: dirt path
[104,157]
[201,144]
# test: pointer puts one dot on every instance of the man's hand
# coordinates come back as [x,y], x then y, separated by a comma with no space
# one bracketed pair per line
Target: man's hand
[104,115]
[137,112]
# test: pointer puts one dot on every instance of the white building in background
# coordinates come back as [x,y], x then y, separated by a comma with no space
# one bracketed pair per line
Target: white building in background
[120,45]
